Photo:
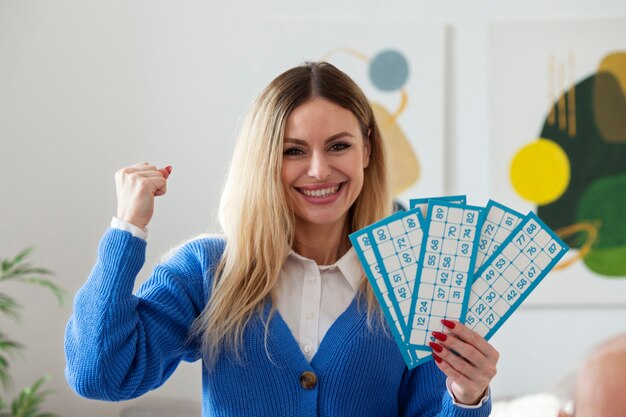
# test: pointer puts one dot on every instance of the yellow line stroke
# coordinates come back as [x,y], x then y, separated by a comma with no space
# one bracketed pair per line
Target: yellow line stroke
[591,228]
[349,51]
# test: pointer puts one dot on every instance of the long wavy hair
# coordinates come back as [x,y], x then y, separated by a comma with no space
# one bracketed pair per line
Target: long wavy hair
[255,218]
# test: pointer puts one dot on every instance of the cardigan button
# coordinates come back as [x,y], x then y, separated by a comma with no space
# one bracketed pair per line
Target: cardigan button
[308,380]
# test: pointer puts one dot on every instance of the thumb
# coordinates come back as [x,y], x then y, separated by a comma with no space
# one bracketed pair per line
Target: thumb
[166,171]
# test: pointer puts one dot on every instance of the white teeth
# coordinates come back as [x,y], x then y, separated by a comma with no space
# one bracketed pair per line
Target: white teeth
[324,192]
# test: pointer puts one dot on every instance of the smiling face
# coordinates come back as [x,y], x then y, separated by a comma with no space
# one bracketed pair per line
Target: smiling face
[324,156]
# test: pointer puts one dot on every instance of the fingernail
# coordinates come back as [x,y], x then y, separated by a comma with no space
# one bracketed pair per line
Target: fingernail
[449,324]
[436,347]
[169,168]
[437,358]
[440,336]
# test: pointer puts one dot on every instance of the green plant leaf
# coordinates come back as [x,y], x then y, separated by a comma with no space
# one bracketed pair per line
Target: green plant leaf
[58,291]
[9,306]
[26,269]
[9,345]
[29,400]
[7,264]
[5,377]
[19,267]
[23,254]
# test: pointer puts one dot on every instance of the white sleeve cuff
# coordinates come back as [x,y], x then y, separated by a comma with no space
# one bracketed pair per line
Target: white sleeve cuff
[471,407]
[131,228]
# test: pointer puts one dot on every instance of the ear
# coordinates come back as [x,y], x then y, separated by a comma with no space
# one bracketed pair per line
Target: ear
[367,146]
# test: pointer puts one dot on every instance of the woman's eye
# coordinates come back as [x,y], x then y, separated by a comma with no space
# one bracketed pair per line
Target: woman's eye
[339,146]
[292,151]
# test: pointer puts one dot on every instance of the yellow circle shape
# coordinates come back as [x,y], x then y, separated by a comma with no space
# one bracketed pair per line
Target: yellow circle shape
[540,171]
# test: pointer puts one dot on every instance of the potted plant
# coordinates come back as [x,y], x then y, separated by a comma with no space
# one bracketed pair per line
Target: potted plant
[28,402]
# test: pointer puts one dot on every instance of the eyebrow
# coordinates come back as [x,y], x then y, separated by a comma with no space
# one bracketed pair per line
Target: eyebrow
[330,139]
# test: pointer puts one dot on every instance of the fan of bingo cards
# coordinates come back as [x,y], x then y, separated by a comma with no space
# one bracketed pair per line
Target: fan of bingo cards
[445,259]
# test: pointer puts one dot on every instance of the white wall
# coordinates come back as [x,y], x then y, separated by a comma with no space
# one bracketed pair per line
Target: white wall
[88,87]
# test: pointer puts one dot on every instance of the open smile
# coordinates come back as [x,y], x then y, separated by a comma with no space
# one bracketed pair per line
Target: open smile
[320,192]
[319,195]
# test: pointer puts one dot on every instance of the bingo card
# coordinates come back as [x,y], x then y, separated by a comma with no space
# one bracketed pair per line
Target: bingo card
[445,269]
[427,267]
[511,273]
[388,251]
[422,203]
[499,223]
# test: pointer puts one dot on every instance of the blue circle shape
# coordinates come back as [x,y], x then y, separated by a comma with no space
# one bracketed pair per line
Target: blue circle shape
[389,70]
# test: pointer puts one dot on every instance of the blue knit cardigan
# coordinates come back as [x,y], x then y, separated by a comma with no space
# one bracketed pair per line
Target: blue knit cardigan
[119,346]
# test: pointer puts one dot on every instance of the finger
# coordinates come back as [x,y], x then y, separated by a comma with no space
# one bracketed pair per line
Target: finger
[149,180]
[451,372]
[465,389]
[144,166]
[471,337]
[156,183]
[127,171]
[166,171]
[466,350]
[457,364]
[161,190]
[148,174]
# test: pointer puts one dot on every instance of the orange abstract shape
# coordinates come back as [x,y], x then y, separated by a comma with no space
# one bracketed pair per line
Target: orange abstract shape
[609,98]
[590,229]
[615,63]
[404,166]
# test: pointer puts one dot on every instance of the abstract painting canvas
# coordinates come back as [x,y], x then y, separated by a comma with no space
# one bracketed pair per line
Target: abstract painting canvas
[558,146]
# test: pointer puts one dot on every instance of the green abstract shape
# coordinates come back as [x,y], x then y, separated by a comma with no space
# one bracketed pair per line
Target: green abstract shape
[610,262]
[603,202]
[591,159]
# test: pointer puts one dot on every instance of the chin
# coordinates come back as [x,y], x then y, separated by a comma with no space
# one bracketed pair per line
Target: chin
[322,220]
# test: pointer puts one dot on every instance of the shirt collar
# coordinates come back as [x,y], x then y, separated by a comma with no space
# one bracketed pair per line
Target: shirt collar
[348,265]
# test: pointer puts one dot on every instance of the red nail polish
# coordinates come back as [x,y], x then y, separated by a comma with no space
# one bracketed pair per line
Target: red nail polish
[449,324]
[440,336]
[169,168]
[437,358]
[436,347]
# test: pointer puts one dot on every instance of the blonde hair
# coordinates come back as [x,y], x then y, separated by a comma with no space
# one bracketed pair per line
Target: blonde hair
[256,221]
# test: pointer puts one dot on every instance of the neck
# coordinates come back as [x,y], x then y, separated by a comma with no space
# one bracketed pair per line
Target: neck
[323,244]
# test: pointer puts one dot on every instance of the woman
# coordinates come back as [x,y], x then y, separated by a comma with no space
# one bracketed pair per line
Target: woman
[278,308]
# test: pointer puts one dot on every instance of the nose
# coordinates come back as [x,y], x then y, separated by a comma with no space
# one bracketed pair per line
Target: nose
[319,167]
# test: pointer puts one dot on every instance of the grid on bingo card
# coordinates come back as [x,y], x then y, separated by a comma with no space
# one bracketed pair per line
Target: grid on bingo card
[398,243]
[444,269]
[525,258]
[373,272]
[500,221]
[362,243]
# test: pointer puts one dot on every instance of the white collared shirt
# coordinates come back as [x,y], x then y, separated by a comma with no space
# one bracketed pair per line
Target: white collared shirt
[310,297]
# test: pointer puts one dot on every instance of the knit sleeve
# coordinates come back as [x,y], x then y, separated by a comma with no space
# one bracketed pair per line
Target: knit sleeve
[424,393]
[119,345]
